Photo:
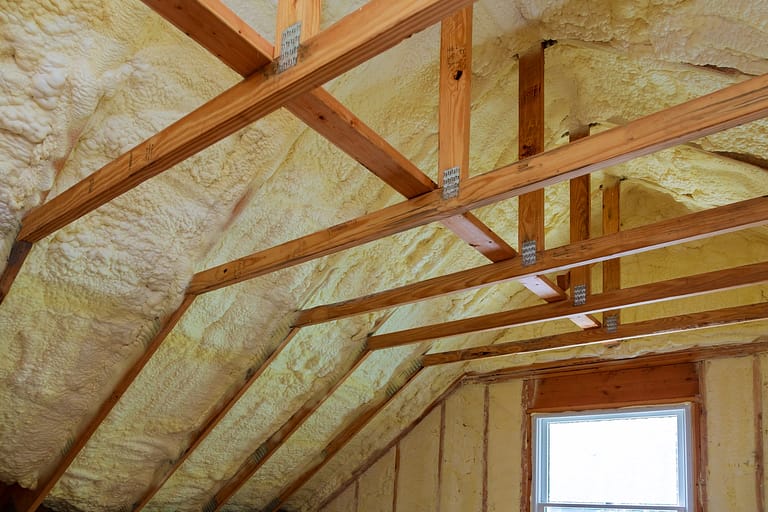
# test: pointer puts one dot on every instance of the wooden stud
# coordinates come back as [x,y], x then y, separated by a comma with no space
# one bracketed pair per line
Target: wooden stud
[214,419]
[291,11]
[455,82]
[531,141]
[757,397]
[26,500]
[647,328]
[612,224]
[639,295]
[694,226]
[734,105]
[580,208]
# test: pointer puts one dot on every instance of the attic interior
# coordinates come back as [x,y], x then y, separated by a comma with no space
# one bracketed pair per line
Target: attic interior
[252,264]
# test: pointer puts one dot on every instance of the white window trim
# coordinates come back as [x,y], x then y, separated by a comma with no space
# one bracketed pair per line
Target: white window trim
[685,468]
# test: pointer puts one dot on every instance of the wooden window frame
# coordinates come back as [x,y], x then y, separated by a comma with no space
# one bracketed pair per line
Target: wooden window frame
[616,387]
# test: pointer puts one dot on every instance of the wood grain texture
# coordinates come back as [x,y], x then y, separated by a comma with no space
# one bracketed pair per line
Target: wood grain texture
[18,255]
[214,419]
[219,30]
[290,11]
[617,388]
[586,365]
[694,226]
[612,224]
[455,88]
[269,447]
[629,297]
[26,500]
[734,105]
[580,213]
[370,30]
[655,327]
[530,138]
[336,444]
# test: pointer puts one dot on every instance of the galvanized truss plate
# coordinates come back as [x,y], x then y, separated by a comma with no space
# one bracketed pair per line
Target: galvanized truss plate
[529,252]
[289,47]
[612,323]
[579,295]
[451,179]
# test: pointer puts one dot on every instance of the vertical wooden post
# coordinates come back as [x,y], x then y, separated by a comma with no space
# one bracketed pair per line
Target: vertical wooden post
[291,11]
[611,224]
[531,142]
[580,189]
[455,93]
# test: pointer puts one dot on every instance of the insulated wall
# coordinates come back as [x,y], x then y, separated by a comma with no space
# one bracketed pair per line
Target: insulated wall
[467,454]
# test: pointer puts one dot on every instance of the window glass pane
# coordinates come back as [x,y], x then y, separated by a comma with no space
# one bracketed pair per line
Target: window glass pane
[593,509]
[632,461]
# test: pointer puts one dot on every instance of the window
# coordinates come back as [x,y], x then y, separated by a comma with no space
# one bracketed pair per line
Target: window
[632,460]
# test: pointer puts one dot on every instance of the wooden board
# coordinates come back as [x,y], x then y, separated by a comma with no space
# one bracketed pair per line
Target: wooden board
[639,295]
[372,29]
[694,226]
[26,500]
[647,328]
[734,105]
[616,388]
[612,224]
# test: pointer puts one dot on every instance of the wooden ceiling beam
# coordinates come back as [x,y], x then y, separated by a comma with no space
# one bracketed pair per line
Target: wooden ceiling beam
[323,113]
[647,328]
[681,287]
[361,35]
[29,500]
[694,226]
[734,105]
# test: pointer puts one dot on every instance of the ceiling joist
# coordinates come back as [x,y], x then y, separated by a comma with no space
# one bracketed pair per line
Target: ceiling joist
[728,107]
[694,226]
[680,287]
[647,328]
[361,35]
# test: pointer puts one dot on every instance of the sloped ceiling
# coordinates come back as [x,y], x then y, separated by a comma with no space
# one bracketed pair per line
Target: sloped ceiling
[82,82]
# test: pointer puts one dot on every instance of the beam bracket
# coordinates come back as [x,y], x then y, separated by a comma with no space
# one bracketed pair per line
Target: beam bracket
[529,252]
[579,295]
[451,178]
[289,47]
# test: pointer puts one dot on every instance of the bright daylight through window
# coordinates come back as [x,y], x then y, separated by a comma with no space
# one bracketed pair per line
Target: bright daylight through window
[636,460]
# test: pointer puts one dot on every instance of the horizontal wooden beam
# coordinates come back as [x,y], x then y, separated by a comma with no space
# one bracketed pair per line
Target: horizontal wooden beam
[629,297]
[26,500]
[694,226]
[603,363]
[734,105]
[363,34]
[647,328]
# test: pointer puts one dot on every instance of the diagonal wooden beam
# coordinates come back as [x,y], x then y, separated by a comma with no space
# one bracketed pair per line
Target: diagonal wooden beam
[655,327]
[326,115]
[734,105]
[26,500]
[269,447]
[694,226]
[338,442]
[363,34]
[214,419]
[628,297]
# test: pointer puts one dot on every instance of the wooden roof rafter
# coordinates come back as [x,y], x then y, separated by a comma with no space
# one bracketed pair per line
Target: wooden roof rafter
[681,287]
